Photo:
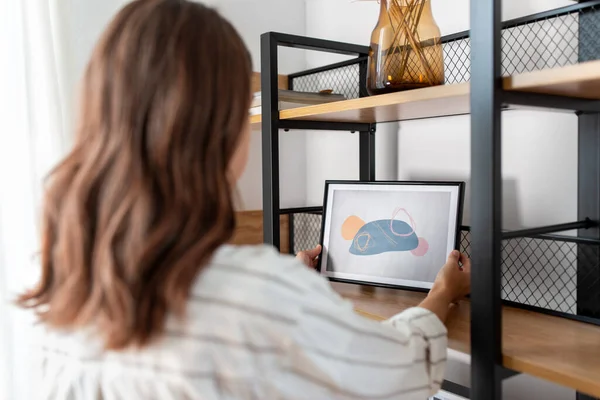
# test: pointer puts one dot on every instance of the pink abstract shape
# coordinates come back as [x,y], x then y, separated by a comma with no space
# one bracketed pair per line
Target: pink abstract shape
[421,249]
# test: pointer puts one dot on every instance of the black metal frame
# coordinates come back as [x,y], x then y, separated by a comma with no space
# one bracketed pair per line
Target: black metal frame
[487,101]
[271,124]
[457,389]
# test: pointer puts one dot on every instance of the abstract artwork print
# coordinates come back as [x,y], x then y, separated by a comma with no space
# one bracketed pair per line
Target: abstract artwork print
[375,237]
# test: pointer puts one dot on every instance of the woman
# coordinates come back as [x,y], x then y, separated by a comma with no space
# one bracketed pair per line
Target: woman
[141,296]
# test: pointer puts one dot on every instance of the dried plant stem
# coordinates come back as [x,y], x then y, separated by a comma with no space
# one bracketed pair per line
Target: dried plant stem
[406,23]
[410,31]
[395,14]
[413,37]
[414,34]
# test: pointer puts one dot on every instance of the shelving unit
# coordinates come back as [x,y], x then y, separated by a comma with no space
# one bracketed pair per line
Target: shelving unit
[501,336]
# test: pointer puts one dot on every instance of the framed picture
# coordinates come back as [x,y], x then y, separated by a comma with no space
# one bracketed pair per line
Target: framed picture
[395,234]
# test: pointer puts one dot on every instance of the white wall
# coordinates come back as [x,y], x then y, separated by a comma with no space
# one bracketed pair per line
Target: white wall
[531,143]
[253,18]
[334,155]
[86,21]
[440,148]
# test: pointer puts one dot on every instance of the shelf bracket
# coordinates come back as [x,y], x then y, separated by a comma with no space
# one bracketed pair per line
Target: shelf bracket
[584,224]
[464,391]
[548,101]
[507,373]
[456,389]
[322,125]
[366,145]
[367,154]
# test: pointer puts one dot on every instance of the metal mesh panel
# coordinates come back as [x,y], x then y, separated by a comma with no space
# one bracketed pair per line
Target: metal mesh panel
[549,43]
[307,231]
[540,272]
[544,273]
[457,61]
[535,271]
[342,80]
[589,35]
[465,242]
[544,44]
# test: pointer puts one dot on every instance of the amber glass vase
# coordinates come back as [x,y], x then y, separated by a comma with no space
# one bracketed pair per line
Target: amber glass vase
[406,48]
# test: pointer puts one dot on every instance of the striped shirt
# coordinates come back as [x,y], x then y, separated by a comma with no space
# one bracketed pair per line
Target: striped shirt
[258,325]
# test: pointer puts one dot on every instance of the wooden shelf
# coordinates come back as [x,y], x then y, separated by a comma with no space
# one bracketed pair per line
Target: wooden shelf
[419,103]
[579,80]
[255,121]
[552,348]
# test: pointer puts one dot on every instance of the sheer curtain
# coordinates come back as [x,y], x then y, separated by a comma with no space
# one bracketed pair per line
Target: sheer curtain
[35,108]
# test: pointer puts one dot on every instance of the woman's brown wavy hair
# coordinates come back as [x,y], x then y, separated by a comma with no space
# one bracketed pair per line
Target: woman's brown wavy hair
[136,209]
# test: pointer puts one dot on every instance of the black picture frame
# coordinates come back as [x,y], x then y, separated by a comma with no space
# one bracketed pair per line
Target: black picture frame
[459,217]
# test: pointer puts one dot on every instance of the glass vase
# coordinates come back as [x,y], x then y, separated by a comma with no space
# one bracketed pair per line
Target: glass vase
[406,48]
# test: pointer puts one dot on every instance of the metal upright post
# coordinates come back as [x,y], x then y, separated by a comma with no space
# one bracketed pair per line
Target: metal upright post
[588,257]
[588,207]
[486,200]
[588,274]
[270,139]
[367,155]
[367,137]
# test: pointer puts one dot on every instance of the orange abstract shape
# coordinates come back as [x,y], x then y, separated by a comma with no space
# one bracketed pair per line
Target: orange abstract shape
[351,226]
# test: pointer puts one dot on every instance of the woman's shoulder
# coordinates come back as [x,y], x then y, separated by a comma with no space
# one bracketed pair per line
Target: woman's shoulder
[260,267]
[262,260]
[251,255]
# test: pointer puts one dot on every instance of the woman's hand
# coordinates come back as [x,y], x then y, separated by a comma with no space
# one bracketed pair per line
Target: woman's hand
[451,283]
[453,280]
[310,257]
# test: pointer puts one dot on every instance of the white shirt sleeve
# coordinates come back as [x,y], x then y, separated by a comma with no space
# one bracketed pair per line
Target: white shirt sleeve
[426,323]
[353,357]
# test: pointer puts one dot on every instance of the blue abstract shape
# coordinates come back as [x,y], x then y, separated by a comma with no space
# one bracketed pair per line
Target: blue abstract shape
[376,237]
